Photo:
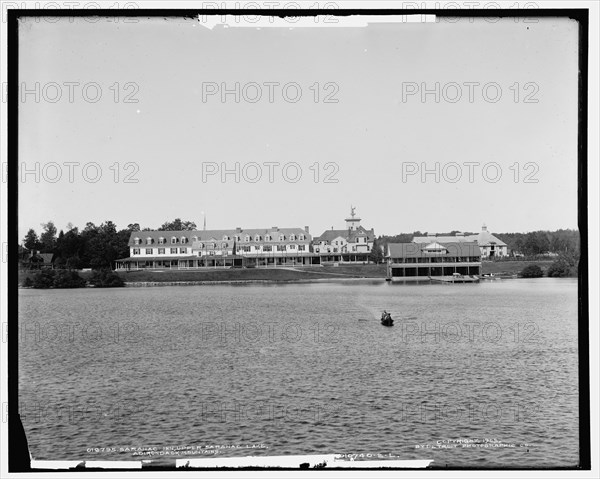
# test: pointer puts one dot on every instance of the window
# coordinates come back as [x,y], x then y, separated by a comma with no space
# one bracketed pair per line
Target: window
[201,245]
[280,247]
[184,240]
[281,237]
[226,238]
[268,238]
[302,237]
[195,239]
[136,251]
[137,241]
[214,245]
[301,247]
[292,246]
[173,250]
[161,251]
[173,240]
[292,237]
[257,238]
[237,237]
[267,248]
[224,245]
[245,249]
[161,240]
[183,250]
[247,238]
[148,250]
[148,240]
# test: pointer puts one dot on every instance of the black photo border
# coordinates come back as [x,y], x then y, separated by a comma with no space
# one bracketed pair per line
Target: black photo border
[16,434]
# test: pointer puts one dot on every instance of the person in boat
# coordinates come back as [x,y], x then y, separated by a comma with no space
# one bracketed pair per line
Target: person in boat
[384,315]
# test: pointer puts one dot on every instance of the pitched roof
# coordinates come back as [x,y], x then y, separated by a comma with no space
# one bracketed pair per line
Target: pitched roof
[208,235]
[349,235]
[419,250]
[484,238]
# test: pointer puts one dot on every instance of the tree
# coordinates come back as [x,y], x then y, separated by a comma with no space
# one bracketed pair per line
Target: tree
[69,247]
[133,227]
[559,269]
[31,240]
[178,225]
[106,278]
[376,254]
[532,271]
[48,237]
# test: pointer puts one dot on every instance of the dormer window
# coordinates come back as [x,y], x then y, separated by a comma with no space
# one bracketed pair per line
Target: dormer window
[257,238]
[148,240]
[247,238]
[302,237]
[268,238]
[281,237]
[184,240]
[224,245]
[173,240]
[195,239]
[137,241]
[292,237]
[237,237]
[226,238]
[161,240]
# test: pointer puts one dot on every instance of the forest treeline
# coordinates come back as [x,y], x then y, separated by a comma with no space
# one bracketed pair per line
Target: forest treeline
[98,246]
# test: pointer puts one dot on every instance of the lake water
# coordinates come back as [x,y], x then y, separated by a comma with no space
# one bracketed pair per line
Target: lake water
[481,375]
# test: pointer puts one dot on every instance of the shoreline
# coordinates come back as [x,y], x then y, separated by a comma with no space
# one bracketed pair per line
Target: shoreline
[149,284]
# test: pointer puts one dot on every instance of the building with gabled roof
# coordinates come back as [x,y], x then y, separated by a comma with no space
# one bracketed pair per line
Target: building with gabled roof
[489,245]
[350,245]
[426,261]
[254,247]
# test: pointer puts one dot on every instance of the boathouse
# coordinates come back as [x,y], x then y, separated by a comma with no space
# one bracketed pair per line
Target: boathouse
[489,245]
[426,261]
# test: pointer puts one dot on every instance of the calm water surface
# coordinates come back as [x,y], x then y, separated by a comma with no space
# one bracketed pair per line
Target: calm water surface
[305,369]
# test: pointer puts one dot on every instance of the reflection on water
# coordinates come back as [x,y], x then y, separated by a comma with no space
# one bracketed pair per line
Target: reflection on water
[305,369]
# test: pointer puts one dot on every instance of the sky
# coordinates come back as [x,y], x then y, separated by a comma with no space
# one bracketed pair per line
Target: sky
[153,145]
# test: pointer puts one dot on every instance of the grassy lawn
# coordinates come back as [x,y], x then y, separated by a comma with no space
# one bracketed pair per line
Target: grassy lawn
[283,274]
[511,267]
[272,274]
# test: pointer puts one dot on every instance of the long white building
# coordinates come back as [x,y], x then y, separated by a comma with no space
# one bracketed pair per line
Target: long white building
[256,247]
[489,245]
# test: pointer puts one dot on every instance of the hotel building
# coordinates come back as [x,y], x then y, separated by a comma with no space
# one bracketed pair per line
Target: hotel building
[421,261]
[489,245]
[350,245]
[239,247]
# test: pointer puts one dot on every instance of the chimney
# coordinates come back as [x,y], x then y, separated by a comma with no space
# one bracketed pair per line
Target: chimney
[306,230]
[238,229]
[275,228]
